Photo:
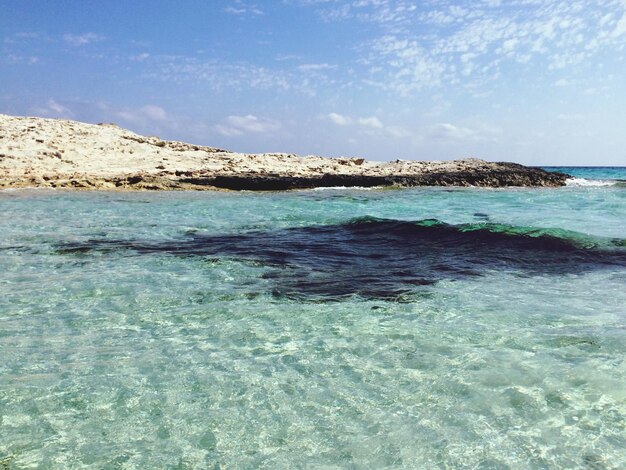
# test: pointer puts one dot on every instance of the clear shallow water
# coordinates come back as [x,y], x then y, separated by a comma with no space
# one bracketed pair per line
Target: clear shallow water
[116,356]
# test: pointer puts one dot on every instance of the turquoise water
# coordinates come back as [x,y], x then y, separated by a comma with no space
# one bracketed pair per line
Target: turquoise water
[280,330]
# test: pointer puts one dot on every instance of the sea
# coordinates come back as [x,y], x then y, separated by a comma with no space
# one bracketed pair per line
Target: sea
[336,328]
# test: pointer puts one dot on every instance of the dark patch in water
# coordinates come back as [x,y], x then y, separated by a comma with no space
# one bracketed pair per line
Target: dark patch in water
[16,248]
[387,259]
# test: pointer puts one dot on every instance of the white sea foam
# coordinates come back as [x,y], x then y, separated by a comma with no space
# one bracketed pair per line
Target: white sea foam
[361,188]
[583,182]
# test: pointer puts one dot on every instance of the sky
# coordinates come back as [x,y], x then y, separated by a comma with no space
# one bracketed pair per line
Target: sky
[540,82]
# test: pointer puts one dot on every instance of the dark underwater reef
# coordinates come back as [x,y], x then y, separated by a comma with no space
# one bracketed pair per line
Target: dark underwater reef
[386,259]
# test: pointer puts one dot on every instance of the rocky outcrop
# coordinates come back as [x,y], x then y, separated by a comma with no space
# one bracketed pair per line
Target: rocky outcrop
[66,154]
[507,174]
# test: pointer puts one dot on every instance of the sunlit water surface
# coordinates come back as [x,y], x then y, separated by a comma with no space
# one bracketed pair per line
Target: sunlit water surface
[114,357]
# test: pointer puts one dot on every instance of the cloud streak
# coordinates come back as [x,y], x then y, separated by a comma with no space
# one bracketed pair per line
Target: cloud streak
[78,40]
[240,125]
[367,124]
[447,132]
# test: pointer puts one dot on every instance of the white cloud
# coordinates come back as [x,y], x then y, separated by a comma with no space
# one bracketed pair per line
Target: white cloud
[154,112]
[81,39]
[218,75]
[446,132]
[54,109]
[409,67]
[239,125]
[562,82]
[149,119]
[144,116]
[243,10]
[369,125]
[446,43]
[140,57]
[285,57]
[284,74]
[372,121]
[620,27]
[15,59]
[239,7]
[315,67]
[23,37]
[339,119]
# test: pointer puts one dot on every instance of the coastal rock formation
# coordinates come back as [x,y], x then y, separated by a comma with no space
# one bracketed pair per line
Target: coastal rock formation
[37,152]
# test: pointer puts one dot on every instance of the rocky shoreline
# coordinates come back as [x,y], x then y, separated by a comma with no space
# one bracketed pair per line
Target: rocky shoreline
[508,175]
[36,152]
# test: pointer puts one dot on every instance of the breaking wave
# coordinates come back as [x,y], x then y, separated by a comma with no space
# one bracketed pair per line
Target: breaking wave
[584,182]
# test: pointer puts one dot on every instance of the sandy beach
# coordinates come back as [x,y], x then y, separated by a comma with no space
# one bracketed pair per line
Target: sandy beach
[37,152]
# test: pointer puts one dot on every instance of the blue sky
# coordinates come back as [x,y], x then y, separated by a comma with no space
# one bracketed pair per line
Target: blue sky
[533,81]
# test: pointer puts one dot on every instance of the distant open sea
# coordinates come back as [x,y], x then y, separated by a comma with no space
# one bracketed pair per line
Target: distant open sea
[335,328]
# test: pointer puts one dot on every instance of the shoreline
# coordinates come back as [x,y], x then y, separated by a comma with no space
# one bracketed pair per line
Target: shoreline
[55,153]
